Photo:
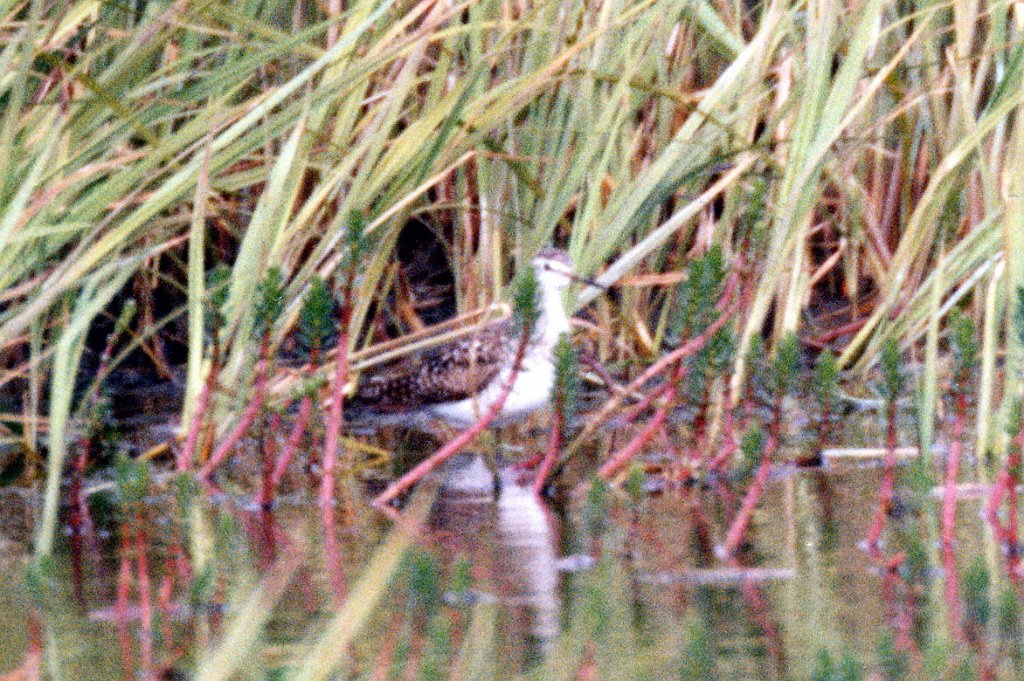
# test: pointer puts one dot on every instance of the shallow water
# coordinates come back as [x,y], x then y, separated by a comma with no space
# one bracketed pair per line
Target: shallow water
[806,584]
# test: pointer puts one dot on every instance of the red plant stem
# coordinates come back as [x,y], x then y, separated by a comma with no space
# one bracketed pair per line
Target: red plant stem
[334,416]
[79,519]
[729,449]
[825,425]
[1011,520]
[953,469]
[761,613]
[332,553]
[726,304]
[699,425]
[888,484]
[821,342]
[124,588]
[145,602]
[730,445]
[553,448]
[265,498]
[742,520]
[77,573]
[532,462]
[601,371]
[34,656]
[952,590]
[1006,473]
[456,444]
[292,446]
[640,407]
[1012,480]
[995,498]
[947,521]
[163,600]
[752,595]
[248,418]
[177,553]
[900,611]
[620,458]
[1006,486]
[187,453]
[697,454]
[667,443]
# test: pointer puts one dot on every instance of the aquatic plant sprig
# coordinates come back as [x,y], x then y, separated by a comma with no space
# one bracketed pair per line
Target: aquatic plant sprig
[314,327]
[785,372]
[97,415]
[315,319]
[694,310]
[525,300]
[893,382]
[269,306]
[1018,314]
[785,368]
[132,482]
[977,597]
[964,343]
[565,396]
[826,383]
[217,285]
[356,244]
[826,669]
[568,386]
[697,294]
[708,364]
[755,447]
[965,353]
[726,306]
[752,448]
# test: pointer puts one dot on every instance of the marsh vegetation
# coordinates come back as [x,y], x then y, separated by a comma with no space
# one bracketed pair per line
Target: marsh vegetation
[806,373]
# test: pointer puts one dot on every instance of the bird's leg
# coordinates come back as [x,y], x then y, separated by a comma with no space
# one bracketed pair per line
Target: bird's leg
[493,458]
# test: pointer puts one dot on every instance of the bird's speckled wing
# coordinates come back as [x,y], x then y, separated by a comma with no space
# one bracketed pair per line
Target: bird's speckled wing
[446,373]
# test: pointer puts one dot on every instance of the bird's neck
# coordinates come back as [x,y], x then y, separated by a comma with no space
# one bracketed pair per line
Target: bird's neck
[553,321]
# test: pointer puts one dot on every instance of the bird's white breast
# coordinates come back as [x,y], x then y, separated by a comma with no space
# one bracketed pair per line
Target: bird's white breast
[531,391]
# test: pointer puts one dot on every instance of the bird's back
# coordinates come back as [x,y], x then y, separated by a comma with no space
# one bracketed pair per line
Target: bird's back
[448,372]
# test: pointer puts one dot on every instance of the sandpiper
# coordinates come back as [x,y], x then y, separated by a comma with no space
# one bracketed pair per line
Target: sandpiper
[459,380]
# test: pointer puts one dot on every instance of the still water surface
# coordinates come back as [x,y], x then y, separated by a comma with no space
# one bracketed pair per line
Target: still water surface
[807,585]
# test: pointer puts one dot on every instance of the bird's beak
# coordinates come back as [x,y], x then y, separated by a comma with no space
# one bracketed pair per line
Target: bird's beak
[589,282]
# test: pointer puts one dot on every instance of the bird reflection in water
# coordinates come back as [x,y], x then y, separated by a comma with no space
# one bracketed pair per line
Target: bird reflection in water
[511,538]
